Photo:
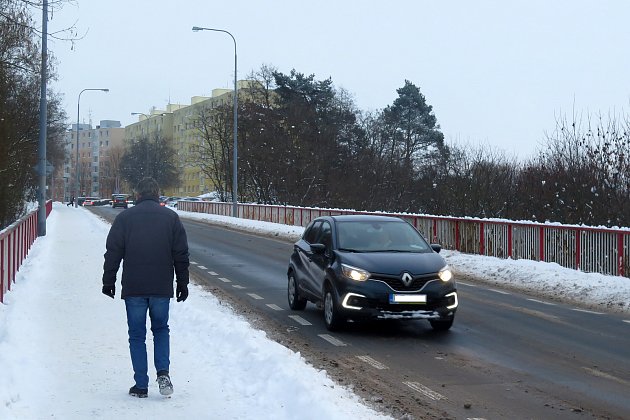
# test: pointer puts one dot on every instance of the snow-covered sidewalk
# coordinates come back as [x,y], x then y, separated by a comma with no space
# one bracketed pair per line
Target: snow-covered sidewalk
[64,351]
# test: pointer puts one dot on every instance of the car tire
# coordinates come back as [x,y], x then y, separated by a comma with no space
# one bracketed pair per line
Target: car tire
[296,302]
[442,324]
[332,314]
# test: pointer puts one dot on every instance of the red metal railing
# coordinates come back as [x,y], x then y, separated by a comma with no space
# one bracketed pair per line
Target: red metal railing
[596,250]
[15,243]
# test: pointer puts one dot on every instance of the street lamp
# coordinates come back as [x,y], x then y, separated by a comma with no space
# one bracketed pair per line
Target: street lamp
[235,166]
[76,168]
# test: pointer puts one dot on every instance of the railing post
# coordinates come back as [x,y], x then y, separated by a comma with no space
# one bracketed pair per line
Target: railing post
[13,257]
[620,264]
[457,247]
[509,240]
[541,244]
[482,240]
[1,270]
[578,248]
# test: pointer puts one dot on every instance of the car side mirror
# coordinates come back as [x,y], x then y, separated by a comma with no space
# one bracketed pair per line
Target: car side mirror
[436,247]
[318,248]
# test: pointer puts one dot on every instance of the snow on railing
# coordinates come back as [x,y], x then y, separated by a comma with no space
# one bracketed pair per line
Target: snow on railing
[15,243]
[585,248]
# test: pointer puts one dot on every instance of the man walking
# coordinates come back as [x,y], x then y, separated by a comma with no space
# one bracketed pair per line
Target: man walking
[151,241]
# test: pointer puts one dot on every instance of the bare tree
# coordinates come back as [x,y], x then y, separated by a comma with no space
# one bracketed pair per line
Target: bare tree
[213,149]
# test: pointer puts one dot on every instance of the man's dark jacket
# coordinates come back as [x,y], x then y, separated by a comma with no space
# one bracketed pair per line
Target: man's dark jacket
[151,241]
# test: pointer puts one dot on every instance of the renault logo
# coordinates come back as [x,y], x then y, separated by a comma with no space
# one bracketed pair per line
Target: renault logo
[406,279]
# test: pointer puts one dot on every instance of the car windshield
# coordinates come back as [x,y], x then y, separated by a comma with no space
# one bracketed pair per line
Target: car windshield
[387,236]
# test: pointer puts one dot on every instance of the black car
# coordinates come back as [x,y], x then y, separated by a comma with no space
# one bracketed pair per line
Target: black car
[120,200]
[363,266]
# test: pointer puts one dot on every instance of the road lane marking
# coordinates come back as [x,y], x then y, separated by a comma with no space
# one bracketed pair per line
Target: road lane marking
[587,311]
[466,284]
[599,373]
[499,291]
[224,280]
[416,386]
[332,340]
[255,296]
[202,267]
[299,320]
[541,301]
[627,320]
[193,263]
[372,362]
[238,286]
[212,273]
[275,307]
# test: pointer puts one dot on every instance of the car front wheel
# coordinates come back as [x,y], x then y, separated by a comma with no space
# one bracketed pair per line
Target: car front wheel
[442,324]
[296,302]
[332,315]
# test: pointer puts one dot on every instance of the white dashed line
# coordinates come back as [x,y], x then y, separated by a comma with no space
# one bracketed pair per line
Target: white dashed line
[193,263]
[587,311]
[605,375]
[332,340]
[540,301]
[255,296]
[238,286]
[627,320]
[202,267]
[499,291]
[466,284]
[299,320]
[416,386]
[275,307]
[374,363]
[224,280]
[212,273]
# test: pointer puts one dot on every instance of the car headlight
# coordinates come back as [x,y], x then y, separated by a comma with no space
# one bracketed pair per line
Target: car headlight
[445,274]
[354,273]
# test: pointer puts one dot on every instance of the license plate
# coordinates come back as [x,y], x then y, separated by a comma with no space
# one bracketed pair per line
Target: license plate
[407,298]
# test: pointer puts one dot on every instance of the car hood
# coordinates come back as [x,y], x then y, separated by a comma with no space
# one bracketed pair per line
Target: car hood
[393,263]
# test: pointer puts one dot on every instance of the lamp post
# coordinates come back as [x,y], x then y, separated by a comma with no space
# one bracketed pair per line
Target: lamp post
[43,119]
[235,166]
[76,168]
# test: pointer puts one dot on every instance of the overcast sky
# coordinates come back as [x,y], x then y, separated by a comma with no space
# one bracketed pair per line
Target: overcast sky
[496,72]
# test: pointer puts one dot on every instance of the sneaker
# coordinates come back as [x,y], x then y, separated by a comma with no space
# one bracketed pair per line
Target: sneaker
[134,391]
[164,382]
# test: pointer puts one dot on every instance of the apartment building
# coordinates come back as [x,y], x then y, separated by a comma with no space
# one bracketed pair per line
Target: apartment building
[99,149]
[177,124]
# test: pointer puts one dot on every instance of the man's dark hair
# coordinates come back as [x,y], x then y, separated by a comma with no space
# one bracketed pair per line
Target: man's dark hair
[148,187]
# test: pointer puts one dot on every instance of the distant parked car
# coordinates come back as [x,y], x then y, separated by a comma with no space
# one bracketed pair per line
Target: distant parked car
[364,266]
[172,201]
[92,201]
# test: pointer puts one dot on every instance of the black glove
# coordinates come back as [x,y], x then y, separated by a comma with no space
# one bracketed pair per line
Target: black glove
[109,291]
[182,292]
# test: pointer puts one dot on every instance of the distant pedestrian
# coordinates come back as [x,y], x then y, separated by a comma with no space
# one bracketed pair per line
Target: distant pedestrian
[71,202]
[151,241]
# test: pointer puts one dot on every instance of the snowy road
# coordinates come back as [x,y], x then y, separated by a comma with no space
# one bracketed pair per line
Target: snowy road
[532,355]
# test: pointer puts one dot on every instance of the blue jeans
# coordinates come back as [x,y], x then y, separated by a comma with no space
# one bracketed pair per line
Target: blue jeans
[137,322]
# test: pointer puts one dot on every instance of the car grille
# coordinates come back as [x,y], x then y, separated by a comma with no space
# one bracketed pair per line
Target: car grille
[396,284]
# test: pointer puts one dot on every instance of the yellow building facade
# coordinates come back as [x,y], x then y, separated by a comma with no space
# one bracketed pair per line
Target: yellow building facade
[177,124]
